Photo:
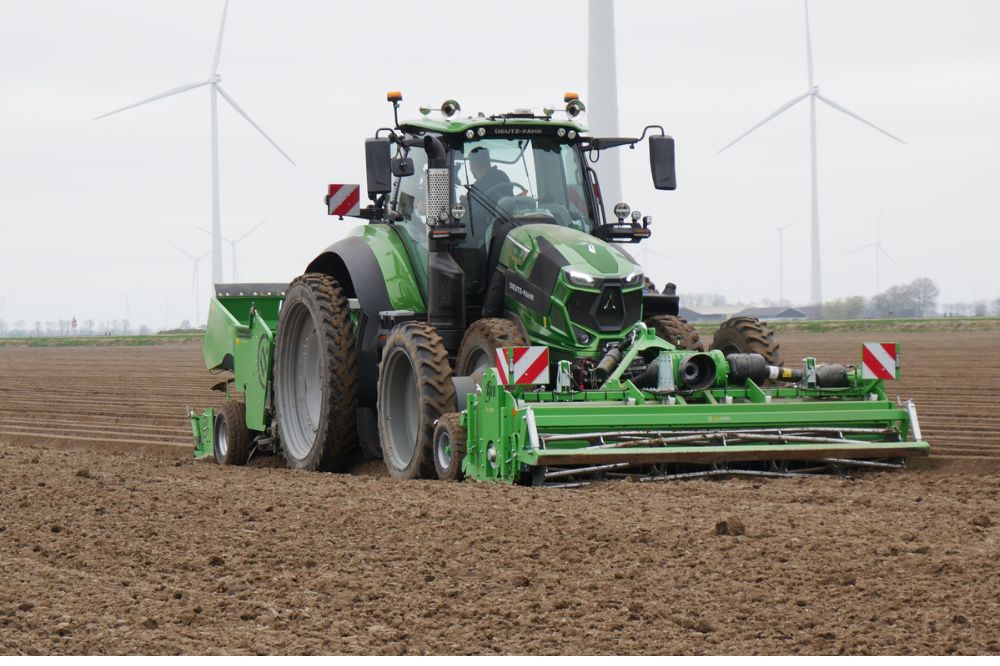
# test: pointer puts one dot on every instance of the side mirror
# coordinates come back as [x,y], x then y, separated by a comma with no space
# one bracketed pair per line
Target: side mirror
[377,166]
[661,162]
[402,167]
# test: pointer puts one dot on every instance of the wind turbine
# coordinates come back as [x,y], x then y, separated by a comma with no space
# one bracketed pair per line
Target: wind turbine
[879,251]
[233,243]
[194,281]
[58,306]
[213,81]
[602,93]
[128,312]
[812,94]
[781,262]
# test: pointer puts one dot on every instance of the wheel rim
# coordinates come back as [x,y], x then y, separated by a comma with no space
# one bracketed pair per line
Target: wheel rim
[401,408]
[442,449]
[300,388]
[221,436]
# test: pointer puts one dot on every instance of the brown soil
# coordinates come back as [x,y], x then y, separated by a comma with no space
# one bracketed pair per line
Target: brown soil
[150,552]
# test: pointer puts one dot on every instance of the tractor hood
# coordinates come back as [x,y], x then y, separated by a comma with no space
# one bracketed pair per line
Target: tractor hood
[544,250]
[572,292]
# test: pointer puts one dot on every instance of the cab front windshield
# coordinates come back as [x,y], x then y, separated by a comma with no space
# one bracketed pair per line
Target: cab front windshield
[494,178]
[511,176]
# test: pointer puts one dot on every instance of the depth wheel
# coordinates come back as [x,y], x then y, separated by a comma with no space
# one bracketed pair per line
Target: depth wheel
[231,442]
[449,447]
[747,335]
[480,342]
[677,331]
[414,391]
[316,376]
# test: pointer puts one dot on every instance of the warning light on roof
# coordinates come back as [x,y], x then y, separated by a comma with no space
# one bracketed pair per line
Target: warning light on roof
[394,96]
[570,96]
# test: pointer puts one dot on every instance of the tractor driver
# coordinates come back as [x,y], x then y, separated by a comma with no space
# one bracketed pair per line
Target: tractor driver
[492,184]
[489,179]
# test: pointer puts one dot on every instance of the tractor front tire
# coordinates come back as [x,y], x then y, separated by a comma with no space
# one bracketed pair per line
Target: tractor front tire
[480,342]
[677,331]
[232,437]
[449,447]
[414,391]
[747,335]
[316,376]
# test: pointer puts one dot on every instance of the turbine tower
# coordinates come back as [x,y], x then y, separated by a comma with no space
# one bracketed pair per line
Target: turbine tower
[194,279]
[602,93]
[214,82]
[812,94]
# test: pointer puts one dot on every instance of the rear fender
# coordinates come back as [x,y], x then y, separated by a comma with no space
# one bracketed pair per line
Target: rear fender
[372,266]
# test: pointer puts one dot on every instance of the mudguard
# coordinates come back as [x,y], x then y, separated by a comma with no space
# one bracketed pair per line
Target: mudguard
[372,266]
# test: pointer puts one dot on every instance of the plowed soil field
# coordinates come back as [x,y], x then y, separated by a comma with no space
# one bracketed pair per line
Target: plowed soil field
[112,540]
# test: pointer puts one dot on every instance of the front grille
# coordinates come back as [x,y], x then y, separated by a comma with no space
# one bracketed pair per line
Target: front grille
[608,311]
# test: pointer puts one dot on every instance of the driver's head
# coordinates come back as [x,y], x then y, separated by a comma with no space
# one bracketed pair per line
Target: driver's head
[479,162]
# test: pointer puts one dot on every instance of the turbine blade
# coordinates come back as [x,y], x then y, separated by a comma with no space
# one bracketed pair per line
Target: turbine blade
[218,42]
[200,228]
[172,91]
[181,250]
[243,113]
[858,249]
[809,47]
[829,102]
[255,228]
[781,109]
[888,256]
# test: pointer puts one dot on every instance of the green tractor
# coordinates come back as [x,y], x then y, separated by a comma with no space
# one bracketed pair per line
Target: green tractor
[488,321]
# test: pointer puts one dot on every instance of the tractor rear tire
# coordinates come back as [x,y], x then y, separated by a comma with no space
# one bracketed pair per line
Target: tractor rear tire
[747,335]
[449,447]
[316,376]
[480,342]
[414,391]
[677,331]
[232,437]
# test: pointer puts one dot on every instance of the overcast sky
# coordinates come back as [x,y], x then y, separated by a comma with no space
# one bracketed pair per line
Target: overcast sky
[86,207]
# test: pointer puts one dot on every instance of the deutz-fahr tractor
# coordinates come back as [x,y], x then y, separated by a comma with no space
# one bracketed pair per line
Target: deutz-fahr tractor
[488,321]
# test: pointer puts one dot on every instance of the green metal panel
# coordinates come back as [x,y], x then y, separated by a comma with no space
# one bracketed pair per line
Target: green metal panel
[253,356]
[203,429]
[400,274]
[243,328]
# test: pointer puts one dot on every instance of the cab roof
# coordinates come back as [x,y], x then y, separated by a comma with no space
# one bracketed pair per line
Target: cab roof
[457,125]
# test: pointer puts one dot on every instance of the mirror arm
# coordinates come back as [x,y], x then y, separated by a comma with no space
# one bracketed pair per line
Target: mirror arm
[646,129]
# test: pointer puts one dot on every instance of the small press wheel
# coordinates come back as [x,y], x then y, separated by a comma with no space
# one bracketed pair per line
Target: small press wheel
[449,447]
[231,441]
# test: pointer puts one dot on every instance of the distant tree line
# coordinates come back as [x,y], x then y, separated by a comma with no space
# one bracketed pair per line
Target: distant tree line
[916,299]
[64,327]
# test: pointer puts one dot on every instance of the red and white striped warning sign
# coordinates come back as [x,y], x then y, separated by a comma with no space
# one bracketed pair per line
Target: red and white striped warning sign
[344,200]
[523,365]
[879,360]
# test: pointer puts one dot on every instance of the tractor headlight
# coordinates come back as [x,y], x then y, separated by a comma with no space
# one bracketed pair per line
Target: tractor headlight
[633,279]
[581,279]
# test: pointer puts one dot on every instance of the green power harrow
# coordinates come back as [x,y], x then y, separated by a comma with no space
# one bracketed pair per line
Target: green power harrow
[706,415]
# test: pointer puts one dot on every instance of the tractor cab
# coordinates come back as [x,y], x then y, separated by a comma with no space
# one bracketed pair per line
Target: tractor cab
[492,174]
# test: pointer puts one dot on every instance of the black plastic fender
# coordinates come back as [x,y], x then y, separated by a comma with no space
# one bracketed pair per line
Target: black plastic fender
[352,262]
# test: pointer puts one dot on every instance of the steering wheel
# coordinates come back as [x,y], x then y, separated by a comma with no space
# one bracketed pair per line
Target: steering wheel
[489,192]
